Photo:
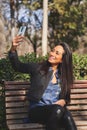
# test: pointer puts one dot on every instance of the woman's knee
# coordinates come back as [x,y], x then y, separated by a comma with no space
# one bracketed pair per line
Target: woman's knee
[57,113]
[55,119]
[60,112]
[68,121]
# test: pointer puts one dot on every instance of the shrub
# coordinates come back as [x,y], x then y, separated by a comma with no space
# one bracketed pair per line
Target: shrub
[80,66]
[7,73]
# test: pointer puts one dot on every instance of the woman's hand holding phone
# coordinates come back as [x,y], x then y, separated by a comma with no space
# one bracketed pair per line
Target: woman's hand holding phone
[18,39]
[16,42]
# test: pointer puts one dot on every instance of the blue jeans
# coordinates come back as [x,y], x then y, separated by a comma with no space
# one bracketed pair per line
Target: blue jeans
[54,117]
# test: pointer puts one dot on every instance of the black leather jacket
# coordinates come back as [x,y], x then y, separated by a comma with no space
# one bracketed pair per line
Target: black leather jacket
[38,78]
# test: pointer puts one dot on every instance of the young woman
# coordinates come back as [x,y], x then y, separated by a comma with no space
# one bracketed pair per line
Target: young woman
[51,81]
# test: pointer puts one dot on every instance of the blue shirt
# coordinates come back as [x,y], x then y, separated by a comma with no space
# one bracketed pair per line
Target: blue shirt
[50,95]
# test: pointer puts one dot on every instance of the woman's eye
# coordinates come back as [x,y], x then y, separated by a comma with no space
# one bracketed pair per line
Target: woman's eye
[57,53]
[52,50]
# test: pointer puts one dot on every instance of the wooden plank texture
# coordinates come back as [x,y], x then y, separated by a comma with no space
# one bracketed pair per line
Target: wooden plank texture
[17,105]
[34,126]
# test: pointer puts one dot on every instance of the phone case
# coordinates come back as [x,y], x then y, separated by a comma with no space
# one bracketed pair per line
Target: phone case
[22,30]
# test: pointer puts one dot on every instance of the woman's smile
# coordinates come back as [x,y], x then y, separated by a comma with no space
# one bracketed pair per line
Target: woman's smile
[52,58]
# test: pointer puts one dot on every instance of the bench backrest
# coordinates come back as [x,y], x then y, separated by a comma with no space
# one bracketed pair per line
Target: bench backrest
[17,105]
[15,102]
[78,105]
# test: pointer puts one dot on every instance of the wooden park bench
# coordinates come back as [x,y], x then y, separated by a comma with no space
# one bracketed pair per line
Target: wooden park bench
[17,106]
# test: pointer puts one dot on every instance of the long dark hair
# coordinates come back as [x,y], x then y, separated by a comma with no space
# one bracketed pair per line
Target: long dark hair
[66,71]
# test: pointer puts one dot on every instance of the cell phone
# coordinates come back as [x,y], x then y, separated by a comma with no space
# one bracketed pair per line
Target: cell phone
[22,30]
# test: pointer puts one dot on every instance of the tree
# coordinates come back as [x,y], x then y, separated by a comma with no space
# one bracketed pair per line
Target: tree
[68,21]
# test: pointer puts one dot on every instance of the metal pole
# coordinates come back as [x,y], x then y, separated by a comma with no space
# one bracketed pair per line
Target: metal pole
[45,27]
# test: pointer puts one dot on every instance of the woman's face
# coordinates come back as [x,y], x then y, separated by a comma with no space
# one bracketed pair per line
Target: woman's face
[55,55]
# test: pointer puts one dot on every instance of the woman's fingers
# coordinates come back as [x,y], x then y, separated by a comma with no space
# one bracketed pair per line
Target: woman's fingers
[17,40]
[60,102]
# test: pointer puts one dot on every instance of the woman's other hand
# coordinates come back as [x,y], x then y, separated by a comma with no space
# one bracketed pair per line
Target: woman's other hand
[61,102]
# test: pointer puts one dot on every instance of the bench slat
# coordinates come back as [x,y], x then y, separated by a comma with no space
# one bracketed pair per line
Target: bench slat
[81,123]
[77,107]
[14,121]
[17,87]
[80,118]
[79,113]
[82,128]
[79,90]
[16,83]
[81,86]
[15,98]
[80,101]
[16,116]
[78,96]
[80,82]
[30,126]
[17,110]
[15,93]
[17,104]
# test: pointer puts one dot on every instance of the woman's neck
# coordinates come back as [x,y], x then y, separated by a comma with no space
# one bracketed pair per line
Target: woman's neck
[54,68]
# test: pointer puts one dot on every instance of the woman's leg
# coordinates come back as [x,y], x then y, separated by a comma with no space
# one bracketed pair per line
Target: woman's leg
[69,123]
[50,115]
